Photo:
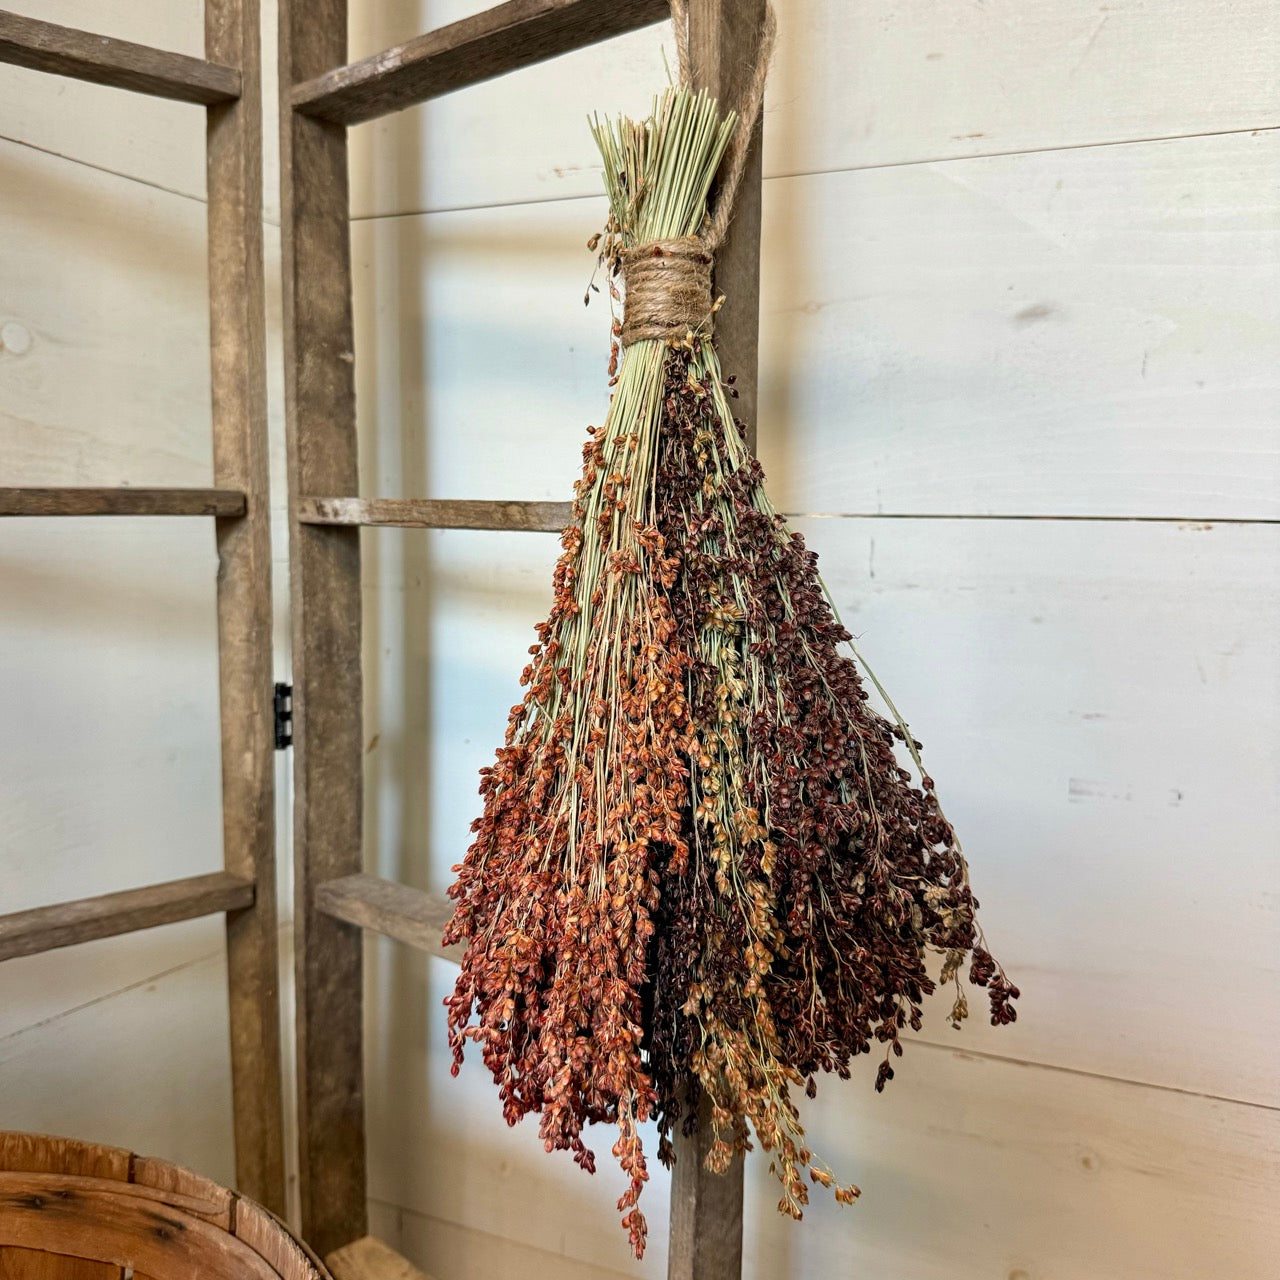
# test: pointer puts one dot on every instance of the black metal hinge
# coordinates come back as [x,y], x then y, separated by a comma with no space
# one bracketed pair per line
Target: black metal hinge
[283,704]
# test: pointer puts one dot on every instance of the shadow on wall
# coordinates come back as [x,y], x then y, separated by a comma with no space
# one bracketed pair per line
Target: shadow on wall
[397,776]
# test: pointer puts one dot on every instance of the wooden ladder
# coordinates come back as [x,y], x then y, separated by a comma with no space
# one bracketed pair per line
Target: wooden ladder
[321,94]
[227,82]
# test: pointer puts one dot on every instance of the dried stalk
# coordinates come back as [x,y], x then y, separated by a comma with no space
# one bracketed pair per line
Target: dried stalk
[701,866]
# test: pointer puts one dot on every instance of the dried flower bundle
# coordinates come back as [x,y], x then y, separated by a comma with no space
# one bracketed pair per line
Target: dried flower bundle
[702,870]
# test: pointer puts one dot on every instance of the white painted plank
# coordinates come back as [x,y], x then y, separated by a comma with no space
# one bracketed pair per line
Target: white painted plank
[974,1169]
[108,680]
[35,989]
[104,371]
[882,82]
[478,367]
[1089,698]
[1090,332]
[147,1068]
[1083,691]
[109,690]
[970,1168]
[177,25]
[161,143]
[446,1249]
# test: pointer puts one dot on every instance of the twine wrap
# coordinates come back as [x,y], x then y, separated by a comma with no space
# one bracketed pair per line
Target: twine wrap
[668,282]
[667,290]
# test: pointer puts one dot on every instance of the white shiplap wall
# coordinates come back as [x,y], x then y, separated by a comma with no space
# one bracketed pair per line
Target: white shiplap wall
[1021,258]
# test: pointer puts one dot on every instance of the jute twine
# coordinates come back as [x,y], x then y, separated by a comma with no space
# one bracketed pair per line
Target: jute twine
[668,282]
[668,290]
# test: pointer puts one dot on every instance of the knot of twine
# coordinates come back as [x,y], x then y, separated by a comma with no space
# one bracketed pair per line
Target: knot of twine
[667,289]
[668,282]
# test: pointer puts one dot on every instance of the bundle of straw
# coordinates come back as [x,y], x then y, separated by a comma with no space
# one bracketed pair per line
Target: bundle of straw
[701,870]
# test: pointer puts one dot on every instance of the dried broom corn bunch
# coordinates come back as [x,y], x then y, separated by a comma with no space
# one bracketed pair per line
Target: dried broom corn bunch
[796,933]
[701,870]
[589,795]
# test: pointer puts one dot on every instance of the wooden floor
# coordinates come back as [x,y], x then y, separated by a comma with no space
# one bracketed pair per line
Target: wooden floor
[370,1259]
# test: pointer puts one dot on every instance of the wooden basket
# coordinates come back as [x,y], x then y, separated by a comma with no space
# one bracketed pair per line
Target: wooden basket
[76,1211]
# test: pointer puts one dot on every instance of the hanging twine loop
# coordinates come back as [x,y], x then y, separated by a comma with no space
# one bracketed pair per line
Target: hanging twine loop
[668,282]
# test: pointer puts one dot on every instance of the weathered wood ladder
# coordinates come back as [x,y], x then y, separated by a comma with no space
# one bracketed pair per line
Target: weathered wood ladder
[227,82]
[321,94]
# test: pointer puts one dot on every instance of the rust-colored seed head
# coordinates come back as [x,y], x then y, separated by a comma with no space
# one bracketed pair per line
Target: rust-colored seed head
[702,870]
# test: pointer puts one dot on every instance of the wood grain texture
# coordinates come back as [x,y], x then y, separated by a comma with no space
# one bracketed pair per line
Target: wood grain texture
[393,910]
[24,933]
[111,1222]
[1078,1177]
[886,82]
[271,1239]
[1064,333]
[1082,691]
[436,513]
[83,501]
[45,1153]
[37,1264]
[1063,1175]
[370,1259]
[491,43]
[118,1209]
[110,667]
[237,330]
[120,64]
[190,1191]
[724,39]
[153,140]
[444,1248]
[325,595]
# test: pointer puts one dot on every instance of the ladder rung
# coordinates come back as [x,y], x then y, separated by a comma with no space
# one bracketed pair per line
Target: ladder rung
[66,51]
[436,513]
[26,933]
[491,43]
[393,910]
[76,501]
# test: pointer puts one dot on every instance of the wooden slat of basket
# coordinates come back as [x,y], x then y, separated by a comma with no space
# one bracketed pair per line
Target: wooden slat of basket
[105,1221]
[39,1153]
[36,1264]
[266,1235]
[32,1153]
[78,1211]
[185,1190]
